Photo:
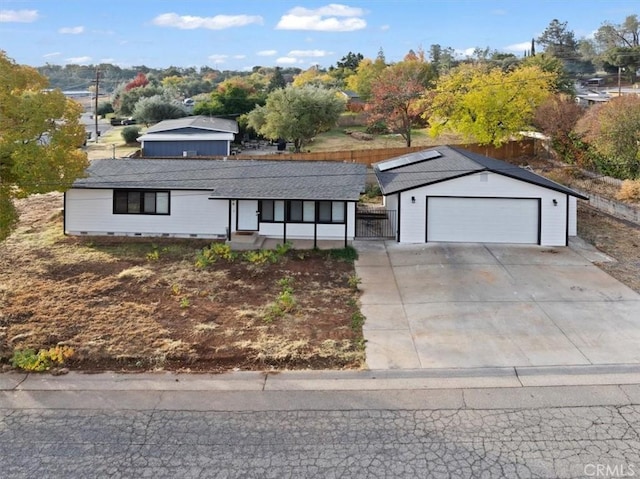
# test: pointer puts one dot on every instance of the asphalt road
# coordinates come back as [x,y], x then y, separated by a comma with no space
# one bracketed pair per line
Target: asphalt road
[297,439]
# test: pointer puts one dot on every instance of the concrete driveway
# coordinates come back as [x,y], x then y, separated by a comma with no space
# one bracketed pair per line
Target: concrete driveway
[446,305]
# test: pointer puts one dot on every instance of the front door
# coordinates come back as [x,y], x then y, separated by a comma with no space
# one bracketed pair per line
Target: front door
[247,215]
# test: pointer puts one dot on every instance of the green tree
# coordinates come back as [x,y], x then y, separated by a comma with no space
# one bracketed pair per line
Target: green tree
[550,64]
[40,136]
[488,106]
[613,129]
[297,114]
[277,80]
[153,109]
[396,93]
[125,103]
[559,41]
[104,108]
[233,97]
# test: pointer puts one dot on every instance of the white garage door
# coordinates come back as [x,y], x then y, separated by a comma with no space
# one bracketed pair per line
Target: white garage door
[483,220]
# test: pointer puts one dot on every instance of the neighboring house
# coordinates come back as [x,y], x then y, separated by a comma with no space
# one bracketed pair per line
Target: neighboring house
[450,194]
[188,137]
[354,102]
[215,199]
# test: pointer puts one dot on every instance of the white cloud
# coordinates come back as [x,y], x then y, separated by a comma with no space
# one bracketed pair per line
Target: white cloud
[384,28]
[52,54]
[71,30]
[286,60]
[239,57]
[267,53]
[498,11]
[330,18]
[78,60]
[18,16]
[518,47]
[309,53]
[334,9]
[217,58]
[219,22]
[108,60]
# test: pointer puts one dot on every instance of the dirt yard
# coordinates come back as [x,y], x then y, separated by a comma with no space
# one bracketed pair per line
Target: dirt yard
[144,305]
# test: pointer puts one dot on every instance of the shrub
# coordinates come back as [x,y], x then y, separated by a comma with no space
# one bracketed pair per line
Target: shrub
[130,134]
[348,254]
[377,128]
[372,191]
[213,253]
[629,191]
[104,108]
[353,281]
[43,360]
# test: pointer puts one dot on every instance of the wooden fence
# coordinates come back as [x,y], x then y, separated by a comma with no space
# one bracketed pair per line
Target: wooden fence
[508,151]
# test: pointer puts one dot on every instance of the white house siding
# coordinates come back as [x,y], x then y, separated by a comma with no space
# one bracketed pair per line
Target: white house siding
[90,211]
[413,215]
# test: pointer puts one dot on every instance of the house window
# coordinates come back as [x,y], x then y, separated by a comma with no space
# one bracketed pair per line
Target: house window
[331,211]
[130,202]
[299,211]
[272,211]
[302,211]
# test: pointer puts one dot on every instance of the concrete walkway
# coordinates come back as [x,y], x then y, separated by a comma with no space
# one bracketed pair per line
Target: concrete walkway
[475,306]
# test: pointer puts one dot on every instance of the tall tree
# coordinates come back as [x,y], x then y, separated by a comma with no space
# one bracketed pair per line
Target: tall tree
[350,61]
[488,105]
[297,114]
[559,41]
[40,136]
[396,92]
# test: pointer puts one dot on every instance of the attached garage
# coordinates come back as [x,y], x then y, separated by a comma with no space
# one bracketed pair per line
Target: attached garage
[448,194]
[483,220]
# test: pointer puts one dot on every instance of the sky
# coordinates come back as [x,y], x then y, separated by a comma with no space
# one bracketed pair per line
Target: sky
[240,34]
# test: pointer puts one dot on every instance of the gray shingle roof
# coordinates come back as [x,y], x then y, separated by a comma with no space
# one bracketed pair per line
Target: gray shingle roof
[199,121]
[249,179]
[452,163]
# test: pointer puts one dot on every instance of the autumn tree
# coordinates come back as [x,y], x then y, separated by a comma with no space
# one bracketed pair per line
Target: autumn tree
[613,129]
[367,72]
[395,94]
[556,117]
[297,114]
[485,105]
[40,136]
[316,77]
[138,82]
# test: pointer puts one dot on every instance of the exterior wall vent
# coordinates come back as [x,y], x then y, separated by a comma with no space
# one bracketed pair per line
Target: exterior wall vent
[189,153]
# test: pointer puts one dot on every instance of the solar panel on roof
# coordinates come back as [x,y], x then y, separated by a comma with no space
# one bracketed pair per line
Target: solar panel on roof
[409,160]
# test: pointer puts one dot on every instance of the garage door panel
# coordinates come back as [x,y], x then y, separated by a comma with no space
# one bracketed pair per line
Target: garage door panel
[483,220]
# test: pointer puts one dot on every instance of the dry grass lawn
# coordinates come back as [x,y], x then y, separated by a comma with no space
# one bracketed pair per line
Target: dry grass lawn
[142,304]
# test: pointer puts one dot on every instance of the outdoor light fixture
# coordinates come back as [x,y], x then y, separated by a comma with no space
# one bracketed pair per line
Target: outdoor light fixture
[413,199]
[555,202]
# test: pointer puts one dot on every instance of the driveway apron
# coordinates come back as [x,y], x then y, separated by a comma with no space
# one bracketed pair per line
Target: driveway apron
[454,305]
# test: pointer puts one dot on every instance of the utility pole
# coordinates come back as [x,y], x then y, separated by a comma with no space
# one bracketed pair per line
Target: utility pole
[95,106]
